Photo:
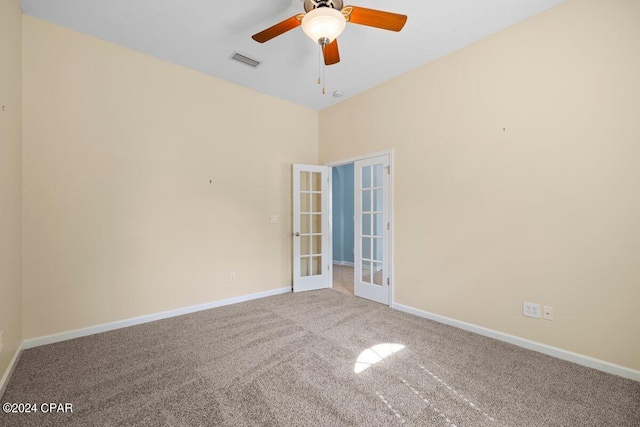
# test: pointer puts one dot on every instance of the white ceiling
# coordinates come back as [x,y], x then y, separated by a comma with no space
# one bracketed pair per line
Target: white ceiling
[202,35]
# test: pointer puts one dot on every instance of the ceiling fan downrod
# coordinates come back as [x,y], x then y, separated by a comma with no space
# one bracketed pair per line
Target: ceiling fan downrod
[309,5]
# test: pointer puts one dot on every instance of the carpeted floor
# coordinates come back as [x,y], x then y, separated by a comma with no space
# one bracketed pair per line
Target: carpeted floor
[289,360]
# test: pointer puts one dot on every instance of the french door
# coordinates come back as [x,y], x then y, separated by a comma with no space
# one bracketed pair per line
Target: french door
[310,227]
[372,208]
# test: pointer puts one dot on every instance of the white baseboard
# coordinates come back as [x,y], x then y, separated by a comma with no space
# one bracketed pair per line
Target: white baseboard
[350,264]
[12,366]
[570,356]
[77,333]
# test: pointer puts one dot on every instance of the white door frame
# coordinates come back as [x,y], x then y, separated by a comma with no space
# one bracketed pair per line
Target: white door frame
[391,244]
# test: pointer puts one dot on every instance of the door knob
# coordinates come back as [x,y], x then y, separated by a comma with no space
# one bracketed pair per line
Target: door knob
[297,234]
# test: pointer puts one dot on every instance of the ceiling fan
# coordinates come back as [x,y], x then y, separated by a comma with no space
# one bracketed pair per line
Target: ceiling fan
[325,20]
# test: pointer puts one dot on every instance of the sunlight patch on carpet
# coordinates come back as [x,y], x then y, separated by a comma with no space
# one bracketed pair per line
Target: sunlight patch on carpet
[375,354]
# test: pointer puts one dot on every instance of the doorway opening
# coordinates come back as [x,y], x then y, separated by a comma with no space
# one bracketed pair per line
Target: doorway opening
[342,212]
[361,232]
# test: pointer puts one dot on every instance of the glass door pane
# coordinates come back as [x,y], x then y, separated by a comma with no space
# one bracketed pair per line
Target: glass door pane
[310,223]
[372,229]
[372,198]
[310,227]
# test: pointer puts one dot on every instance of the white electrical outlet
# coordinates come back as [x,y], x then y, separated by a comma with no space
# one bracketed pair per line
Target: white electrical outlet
[530,309]
[274,219]
[232,277]
[547,312]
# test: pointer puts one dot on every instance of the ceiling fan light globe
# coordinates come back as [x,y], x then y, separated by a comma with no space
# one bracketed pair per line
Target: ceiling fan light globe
[324,22]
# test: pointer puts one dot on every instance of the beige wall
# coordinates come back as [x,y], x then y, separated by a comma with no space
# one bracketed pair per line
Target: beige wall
[517,177]
[120,219]
[10,179]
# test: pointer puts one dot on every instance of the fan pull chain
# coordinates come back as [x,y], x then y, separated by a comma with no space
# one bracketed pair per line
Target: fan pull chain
[319,63]
[324,79]
[322,65]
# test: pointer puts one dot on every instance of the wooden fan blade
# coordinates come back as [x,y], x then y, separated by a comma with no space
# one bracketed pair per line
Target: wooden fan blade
[276,30]
[376,18]
[331,54]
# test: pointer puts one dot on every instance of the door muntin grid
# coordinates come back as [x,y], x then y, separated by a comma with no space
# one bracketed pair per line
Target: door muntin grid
[310,224]
[372,224]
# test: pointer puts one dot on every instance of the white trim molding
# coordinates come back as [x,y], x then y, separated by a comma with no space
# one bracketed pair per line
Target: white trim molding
[12,366]
[360,157]
[570,356]
[91,330]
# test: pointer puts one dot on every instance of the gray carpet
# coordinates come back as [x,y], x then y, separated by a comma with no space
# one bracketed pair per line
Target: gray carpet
[289,360]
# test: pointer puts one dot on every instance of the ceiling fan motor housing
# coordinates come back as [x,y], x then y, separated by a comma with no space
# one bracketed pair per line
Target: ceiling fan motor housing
[309,5]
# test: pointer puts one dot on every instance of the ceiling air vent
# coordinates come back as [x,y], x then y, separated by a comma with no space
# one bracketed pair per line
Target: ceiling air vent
[244,59]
